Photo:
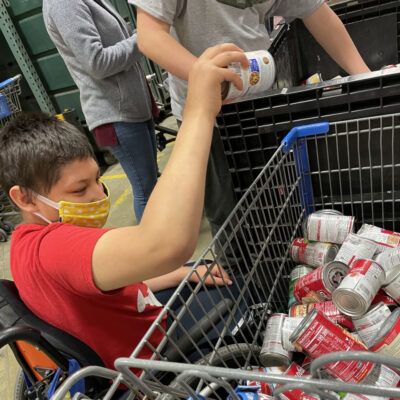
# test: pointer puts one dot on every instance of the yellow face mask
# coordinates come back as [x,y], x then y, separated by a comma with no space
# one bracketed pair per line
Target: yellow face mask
[91,215]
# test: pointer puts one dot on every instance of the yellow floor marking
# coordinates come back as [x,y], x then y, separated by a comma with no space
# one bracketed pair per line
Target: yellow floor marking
[122,198]
[108,177]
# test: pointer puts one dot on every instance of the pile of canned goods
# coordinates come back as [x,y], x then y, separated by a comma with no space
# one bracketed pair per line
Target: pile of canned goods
[343,296]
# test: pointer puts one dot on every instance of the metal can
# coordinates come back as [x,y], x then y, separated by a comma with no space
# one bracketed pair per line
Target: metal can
[259,76]
[387,341]
[329,310]
[393,288]
[289,325]
[317,335]
[295,394]
[295,274]
[354,247]
[272,352]
[265,387]
[248,393]
[384,298]
[313,254]
[355,293]
[325,227]
[368,325]
[318,285]
[389,260]
[386,239]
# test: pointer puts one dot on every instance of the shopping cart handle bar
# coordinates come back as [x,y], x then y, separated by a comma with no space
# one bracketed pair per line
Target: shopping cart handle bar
[302,131]
[9,80]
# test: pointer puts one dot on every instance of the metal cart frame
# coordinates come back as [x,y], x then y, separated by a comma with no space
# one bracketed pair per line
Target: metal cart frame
[312,169]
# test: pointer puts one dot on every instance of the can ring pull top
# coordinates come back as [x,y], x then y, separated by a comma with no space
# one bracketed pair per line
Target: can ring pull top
[302,131]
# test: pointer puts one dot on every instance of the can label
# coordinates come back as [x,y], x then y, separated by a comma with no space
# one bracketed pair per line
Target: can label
[259,76]
[389,260]
[248,393]
[329,228]
[384,237]
[390,344]
[289,325]
[384,298]
[265,387]
[369,324]
[328,308]
[359,287]
[393,288]
[272,344]
[315,286]
[354,247]
[296,394]
[312,253]
[296,273]
[322,336]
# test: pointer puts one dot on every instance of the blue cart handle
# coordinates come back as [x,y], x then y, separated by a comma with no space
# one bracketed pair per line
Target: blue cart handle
[9,81]
[302,131]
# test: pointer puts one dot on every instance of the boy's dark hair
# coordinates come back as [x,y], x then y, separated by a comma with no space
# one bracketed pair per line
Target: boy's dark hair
[33,149]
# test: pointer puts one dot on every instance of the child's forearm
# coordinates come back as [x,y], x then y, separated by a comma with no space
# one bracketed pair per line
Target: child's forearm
[167,281]
[331,34]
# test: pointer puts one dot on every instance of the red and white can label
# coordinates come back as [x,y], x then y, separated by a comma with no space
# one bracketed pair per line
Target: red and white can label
[384,237]
[355,246]
[294,370]
[310,288]
[322,336]
[390,344]
[365,277]
[328,308]
[383,297]
[329,228]
[265,387]
[311,253]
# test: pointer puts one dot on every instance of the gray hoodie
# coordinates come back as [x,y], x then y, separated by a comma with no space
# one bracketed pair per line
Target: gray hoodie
[102,55]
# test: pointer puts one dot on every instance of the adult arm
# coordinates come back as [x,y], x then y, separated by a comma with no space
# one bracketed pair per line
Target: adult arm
[73,22]
[157,44]
[331,34]
[167,234]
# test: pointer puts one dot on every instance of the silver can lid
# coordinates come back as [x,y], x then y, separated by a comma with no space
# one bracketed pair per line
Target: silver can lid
[328,211]
[349,302]
[333,273]
[269,359]
[304,324]
[386,327]
[331,253]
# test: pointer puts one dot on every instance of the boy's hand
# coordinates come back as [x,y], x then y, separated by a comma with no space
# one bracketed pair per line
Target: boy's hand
[219,276]
[207,74]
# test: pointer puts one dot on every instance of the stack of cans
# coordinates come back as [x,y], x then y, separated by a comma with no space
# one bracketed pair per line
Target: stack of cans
[343,296]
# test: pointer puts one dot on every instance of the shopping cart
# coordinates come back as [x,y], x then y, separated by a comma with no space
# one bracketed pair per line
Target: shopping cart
[316,167]
[10,106]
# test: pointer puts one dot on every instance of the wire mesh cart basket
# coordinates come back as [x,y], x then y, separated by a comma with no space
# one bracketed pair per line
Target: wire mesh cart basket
[350,166]
[10,106]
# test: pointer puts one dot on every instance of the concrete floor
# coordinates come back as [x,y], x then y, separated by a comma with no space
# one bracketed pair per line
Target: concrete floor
[121,215]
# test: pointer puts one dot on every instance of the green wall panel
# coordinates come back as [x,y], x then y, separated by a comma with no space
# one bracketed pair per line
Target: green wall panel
[35,34]
[69,99]
[55,72]
[19,7]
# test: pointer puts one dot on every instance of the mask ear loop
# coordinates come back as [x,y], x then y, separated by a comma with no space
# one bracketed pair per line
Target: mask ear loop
[50,203]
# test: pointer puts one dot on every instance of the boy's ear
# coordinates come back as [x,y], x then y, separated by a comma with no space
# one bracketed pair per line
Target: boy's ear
[22,199]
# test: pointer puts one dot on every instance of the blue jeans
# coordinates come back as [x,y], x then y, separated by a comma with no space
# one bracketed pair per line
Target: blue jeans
[137,154]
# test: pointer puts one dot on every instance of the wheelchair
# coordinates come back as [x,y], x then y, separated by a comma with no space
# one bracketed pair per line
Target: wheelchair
[44,352]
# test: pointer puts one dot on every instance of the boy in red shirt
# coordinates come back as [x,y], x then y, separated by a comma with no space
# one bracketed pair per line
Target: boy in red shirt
[95,283]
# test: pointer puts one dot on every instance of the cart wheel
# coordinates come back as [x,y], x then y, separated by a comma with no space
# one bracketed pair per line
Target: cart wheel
[228,356]
[8,226]
[3,235]
[109,158]
[20,386]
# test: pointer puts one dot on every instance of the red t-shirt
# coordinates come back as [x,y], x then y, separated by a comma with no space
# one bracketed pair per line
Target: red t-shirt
[52,269]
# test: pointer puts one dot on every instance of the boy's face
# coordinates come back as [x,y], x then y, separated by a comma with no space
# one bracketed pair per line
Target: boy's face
[78,183]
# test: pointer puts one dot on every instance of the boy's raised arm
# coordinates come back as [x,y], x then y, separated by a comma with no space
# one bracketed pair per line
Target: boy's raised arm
[168,232]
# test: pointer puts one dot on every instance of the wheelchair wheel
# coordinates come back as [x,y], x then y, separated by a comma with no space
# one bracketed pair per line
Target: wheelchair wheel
[20,386]
[230,356]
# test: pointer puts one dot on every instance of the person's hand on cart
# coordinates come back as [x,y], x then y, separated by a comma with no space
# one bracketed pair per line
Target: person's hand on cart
[217,275]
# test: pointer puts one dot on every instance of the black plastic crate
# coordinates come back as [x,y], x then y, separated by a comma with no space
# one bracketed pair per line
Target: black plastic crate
[252,128]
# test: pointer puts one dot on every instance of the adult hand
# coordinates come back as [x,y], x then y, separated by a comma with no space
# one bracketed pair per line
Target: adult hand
[207,74]
[216,276]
